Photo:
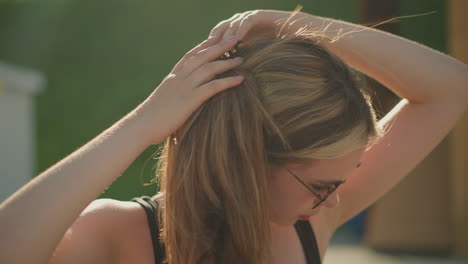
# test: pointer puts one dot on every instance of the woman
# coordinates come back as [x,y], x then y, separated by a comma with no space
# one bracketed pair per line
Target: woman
[246,170]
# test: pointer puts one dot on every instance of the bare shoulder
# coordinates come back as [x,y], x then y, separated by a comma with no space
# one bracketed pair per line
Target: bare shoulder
[94,236]
[110,214]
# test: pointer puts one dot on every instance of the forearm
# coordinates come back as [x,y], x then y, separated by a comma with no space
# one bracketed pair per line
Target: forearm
[412,71]
[35,218]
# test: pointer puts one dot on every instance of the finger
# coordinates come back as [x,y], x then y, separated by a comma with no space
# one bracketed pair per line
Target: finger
[219,30]
[209,71]
[205,44]
[221,27]
[211,88]
[209,54]
[244,26]
[231,30]
[208,42]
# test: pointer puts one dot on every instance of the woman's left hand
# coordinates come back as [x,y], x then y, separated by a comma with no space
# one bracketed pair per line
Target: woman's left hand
[250,24]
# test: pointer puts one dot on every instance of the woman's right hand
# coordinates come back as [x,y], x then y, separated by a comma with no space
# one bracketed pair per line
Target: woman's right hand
[37,216]
[187,86]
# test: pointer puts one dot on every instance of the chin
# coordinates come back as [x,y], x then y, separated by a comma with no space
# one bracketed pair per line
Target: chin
[283,222]
[310,215]
[288,222]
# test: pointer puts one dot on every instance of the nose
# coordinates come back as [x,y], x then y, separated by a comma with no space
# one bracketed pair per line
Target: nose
[332,201]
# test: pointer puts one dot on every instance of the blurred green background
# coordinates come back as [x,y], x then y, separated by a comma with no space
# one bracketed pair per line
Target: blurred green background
[102,58]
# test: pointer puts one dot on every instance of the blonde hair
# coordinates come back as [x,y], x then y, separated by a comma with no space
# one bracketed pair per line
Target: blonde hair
[298,102]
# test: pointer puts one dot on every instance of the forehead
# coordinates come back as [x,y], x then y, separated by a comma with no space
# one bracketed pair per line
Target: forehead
[329,169]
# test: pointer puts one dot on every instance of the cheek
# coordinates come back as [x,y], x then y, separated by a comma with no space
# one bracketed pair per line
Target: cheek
[287,203]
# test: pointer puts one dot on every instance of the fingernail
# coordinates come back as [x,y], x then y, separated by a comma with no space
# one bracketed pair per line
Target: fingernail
[238,59]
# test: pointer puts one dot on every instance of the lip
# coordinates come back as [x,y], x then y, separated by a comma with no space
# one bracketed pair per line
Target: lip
[304,217]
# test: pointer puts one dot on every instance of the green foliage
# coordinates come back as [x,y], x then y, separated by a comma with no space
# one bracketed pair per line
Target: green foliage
[102,58]
[437,23]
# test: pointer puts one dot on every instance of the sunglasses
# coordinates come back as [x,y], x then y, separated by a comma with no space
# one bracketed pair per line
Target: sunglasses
[320,190]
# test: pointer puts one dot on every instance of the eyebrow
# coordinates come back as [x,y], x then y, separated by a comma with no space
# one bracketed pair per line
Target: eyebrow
[335,182]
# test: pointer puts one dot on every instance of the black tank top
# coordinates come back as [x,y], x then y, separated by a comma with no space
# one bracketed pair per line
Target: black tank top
[303,229]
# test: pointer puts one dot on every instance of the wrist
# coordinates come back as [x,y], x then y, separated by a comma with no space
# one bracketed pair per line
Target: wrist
[148,123]
[134,126]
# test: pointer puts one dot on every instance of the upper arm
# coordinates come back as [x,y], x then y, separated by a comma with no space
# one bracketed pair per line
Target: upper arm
[88,240]
[413,131]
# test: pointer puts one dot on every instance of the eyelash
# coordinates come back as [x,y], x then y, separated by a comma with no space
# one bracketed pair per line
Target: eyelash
[318,188]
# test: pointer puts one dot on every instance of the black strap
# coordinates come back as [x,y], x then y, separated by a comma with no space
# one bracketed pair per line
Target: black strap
[303,229]
[308,241]
[151,208]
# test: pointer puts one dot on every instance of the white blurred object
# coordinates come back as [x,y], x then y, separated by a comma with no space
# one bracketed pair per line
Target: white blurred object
[359,254]
[18,86]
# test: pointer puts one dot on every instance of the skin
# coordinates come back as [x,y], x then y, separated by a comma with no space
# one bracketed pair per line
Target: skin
[57,212]
[290,199]
[73,184]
